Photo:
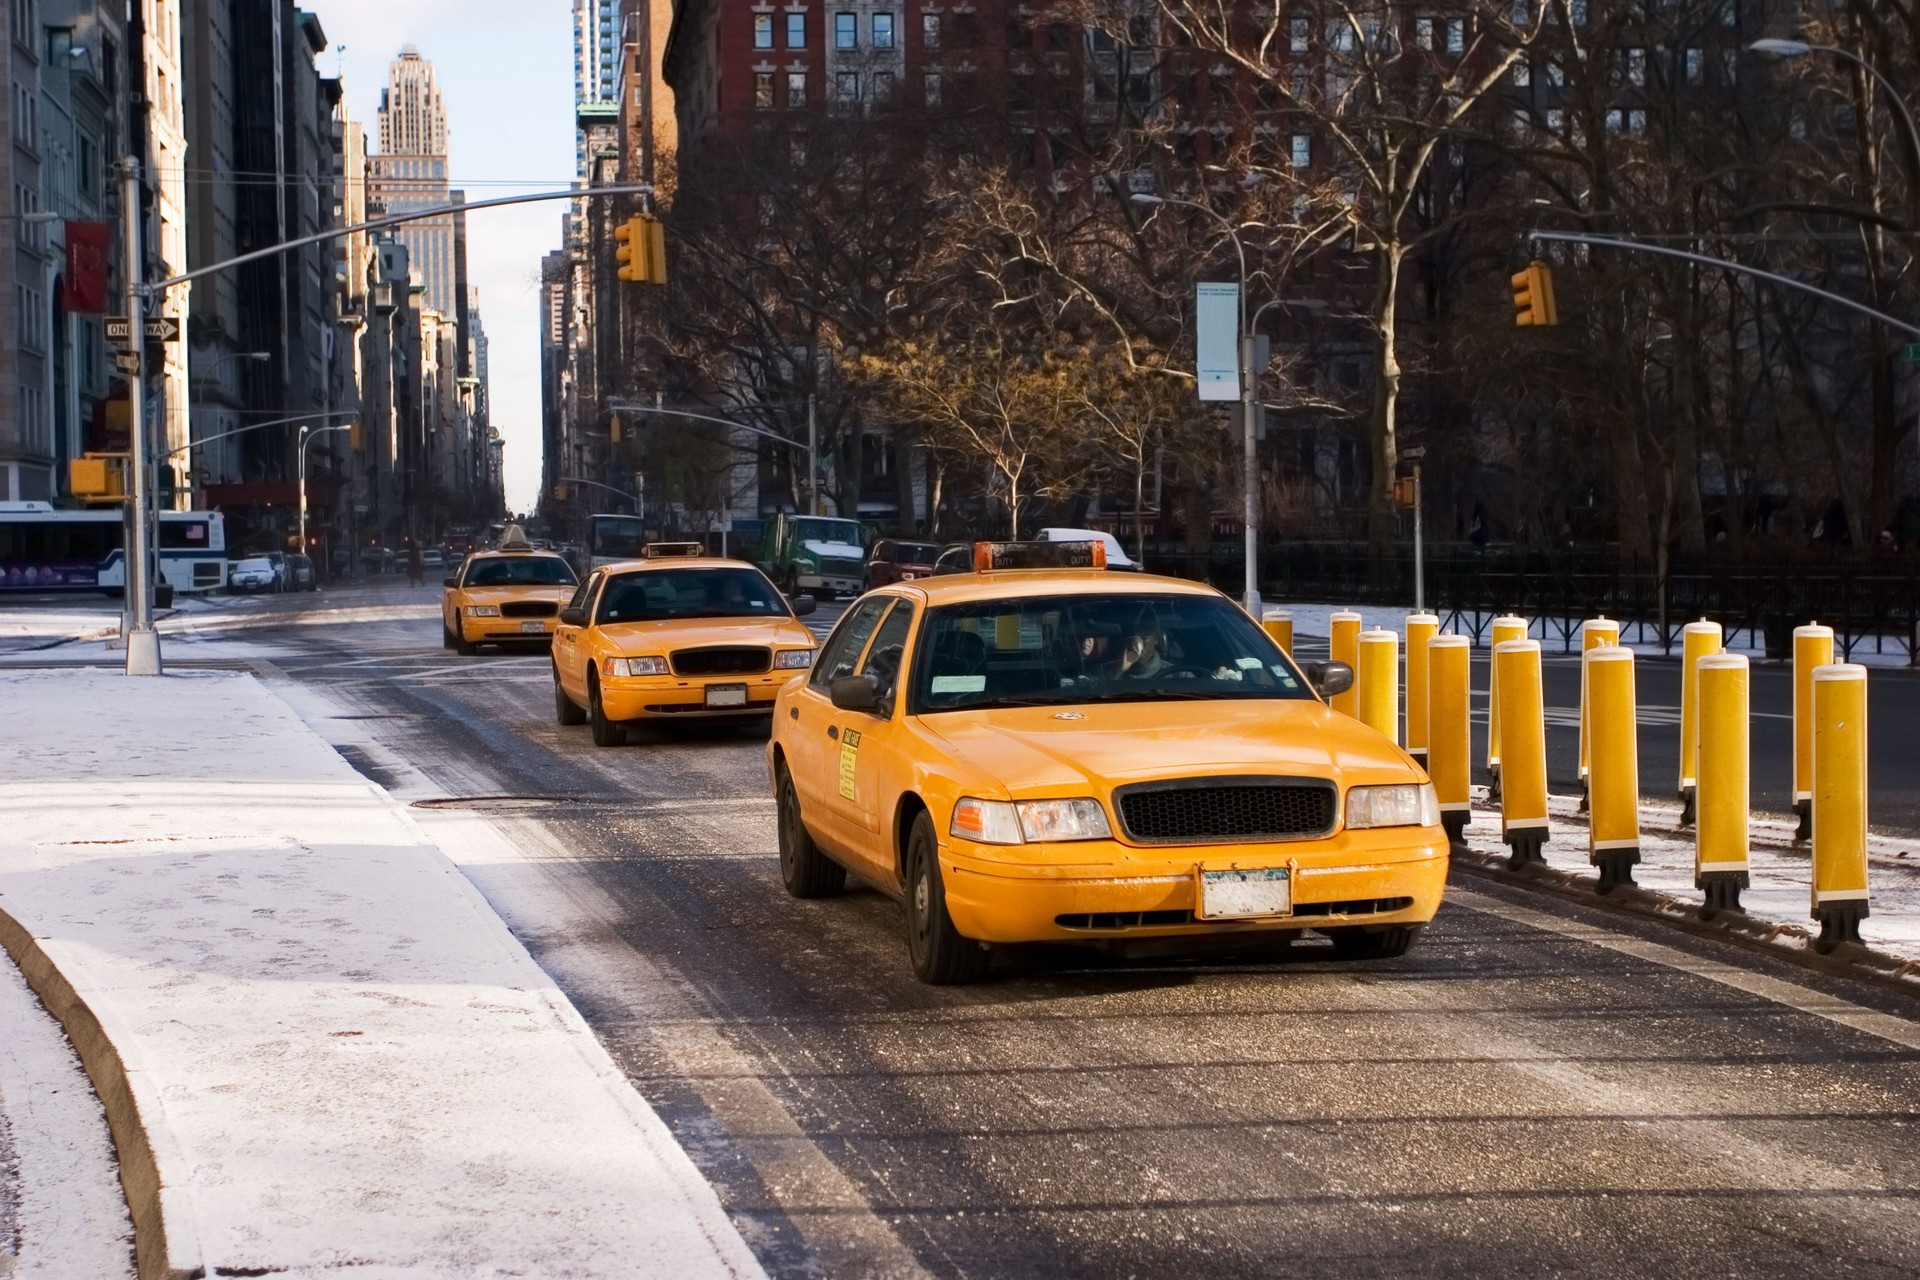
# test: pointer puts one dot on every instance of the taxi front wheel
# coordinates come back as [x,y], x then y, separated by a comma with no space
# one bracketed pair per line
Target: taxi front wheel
[565,709]
[807,872]
[1373,944]
[941,956]
[606,733]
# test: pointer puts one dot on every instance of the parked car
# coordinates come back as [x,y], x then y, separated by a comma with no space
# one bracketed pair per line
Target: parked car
[894,561]
[253,574]
[433,560]
[278,560]
[1117,557]
[301,575]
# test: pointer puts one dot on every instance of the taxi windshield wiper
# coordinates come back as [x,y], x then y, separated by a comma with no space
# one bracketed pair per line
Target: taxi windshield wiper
[1161,695]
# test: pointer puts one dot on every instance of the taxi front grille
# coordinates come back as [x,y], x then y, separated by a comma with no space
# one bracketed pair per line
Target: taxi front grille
[1163,919]
[691,708]
[1224,810]
[529,609]
[722,660]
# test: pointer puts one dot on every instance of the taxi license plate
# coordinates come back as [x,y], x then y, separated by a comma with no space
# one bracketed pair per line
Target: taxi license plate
[1245,895]
[533,628]
[726,695]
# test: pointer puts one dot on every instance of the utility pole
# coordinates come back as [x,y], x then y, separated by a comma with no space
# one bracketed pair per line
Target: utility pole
[1416,455]
[813,461]
[143,643]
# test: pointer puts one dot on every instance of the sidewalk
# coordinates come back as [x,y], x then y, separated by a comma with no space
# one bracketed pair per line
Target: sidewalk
[332,1056]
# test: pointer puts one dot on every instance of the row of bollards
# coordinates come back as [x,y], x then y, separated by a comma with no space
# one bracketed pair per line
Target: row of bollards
[1829,748]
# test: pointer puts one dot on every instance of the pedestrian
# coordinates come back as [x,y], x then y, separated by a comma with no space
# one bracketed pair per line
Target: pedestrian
[416,572]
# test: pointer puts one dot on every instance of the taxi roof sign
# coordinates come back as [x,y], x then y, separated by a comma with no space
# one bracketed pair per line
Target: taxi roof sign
[668,550]
[988,556]
[514,538]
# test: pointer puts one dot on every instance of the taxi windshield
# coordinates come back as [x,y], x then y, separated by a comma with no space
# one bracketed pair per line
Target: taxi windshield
[662,594]
[514,571]
[1048,651]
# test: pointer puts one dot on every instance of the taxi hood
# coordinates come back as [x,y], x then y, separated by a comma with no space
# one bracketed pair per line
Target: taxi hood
[1032,751]
[638,639]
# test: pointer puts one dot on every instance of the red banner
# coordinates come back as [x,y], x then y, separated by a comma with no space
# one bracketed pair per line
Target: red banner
[87,247]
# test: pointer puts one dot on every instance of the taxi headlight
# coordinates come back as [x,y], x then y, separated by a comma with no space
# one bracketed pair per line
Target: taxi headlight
[792,659]
[1000,822]
[483,611]
[636,666]
[1403,804]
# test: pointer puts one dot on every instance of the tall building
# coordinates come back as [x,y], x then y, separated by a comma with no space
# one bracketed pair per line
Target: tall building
[596,65]
[410,172]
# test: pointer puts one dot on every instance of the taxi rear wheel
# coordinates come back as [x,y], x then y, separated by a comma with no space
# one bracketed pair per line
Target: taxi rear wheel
[606,733]
[941,956]
[565,709]
[807,872]
[1373,944]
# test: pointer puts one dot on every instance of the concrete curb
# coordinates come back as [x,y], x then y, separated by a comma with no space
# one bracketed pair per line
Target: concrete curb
[1787,942]
[102,1061]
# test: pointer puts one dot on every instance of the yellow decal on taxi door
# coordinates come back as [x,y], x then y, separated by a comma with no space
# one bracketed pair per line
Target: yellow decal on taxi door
[849,757]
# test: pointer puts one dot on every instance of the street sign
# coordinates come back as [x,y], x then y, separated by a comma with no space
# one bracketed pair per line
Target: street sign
[119,329]
[1217,310]
[163,329]
[160,329]
[127,361]
[1911,352]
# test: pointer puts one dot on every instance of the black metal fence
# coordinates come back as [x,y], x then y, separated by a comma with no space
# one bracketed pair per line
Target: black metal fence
[1872,604]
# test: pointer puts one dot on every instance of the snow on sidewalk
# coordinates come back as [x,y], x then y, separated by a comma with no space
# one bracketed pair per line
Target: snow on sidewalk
[344,1061]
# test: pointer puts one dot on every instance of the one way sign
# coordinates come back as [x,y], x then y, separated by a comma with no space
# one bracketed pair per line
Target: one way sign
[160,329]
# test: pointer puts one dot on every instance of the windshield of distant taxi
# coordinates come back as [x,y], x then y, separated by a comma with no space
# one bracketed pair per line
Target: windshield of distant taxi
[658,595]
[1047,651]
[533,571]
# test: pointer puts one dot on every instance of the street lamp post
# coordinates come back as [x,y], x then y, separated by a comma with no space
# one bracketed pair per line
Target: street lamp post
[307,435]
[1249,406]
[143,642]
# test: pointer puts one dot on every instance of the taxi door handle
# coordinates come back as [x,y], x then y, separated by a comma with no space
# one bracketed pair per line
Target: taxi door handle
[833,731]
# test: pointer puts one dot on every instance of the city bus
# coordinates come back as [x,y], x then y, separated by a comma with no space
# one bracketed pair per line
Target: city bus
[613,538]
[42,549]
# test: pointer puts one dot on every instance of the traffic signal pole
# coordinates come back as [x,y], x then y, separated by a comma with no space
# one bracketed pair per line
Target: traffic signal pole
[143,643]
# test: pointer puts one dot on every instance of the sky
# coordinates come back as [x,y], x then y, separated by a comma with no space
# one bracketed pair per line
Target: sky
[506,72]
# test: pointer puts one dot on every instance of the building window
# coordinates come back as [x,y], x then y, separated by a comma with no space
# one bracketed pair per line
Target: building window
[1456,35]
[1522,73]
[763,90]
[1636,66]
[1423,32]
[1696,66]
[763,31]
[883,31]
[932,80]
[846,31]
[796,88]
[846,87]
[1636,122]
[883,86]
[1729,66]
[1297,30]
[1302,150]
[1615,120]
[930,30]
[796,31]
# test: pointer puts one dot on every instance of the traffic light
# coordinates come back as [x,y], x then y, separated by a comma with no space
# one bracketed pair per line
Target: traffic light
[640,250]
[353,435]
[613,429]
[1405,490]
[1533,296]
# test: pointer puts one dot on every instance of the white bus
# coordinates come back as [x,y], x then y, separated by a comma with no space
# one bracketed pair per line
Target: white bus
[42,549]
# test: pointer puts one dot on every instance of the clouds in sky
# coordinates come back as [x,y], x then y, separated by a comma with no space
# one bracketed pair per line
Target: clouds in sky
[506,71]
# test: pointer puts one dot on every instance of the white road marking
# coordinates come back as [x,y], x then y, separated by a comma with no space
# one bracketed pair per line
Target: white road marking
[1792,995]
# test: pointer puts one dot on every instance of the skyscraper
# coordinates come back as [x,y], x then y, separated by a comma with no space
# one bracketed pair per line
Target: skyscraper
[410,172]
[596,70]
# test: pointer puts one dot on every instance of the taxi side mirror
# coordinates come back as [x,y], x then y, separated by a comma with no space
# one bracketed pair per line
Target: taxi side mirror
[450,582]
[854,693]
[572,617]
[803,605]
[1329,678]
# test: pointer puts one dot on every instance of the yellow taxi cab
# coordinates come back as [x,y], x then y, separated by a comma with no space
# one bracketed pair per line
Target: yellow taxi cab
[508,595]
[677,635]
[1063,754]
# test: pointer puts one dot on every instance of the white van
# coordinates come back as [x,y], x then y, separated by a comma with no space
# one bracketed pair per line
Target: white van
[1117,558]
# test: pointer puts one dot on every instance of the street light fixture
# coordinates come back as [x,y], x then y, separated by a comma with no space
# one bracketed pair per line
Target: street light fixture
[1249,398]
[1800,49]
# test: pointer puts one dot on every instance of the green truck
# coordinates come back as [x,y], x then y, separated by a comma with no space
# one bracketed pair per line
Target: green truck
[815,554]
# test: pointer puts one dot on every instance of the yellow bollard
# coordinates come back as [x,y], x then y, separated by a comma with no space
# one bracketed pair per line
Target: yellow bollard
[1839,802]
[1720,867]
[1698,640]
[1595,633]
[1505,628]
[1278,623]
[1523,751]
[1343,645]
[1812,648]
[1449,731]
[1378,679]
[1420,632]
[1613,773]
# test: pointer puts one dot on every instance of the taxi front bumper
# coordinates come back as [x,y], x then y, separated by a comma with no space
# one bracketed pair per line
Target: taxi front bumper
[1102,889]
[686,697]
[505,630]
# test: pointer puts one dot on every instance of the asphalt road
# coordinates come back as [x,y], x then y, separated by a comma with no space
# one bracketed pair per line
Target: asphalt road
[1536,1089]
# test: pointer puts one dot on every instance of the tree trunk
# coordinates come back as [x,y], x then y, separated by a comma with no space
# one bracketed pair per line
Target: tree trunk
[1381,422]
[1889,430]
[1139,502]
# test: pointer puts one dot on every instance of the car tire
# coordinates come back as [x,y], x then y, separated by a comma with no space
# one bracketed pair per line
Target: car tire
[807,872]
[941,956]
[565,709]
[460,639]
[606,733]
[446,635]
[1373,944]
